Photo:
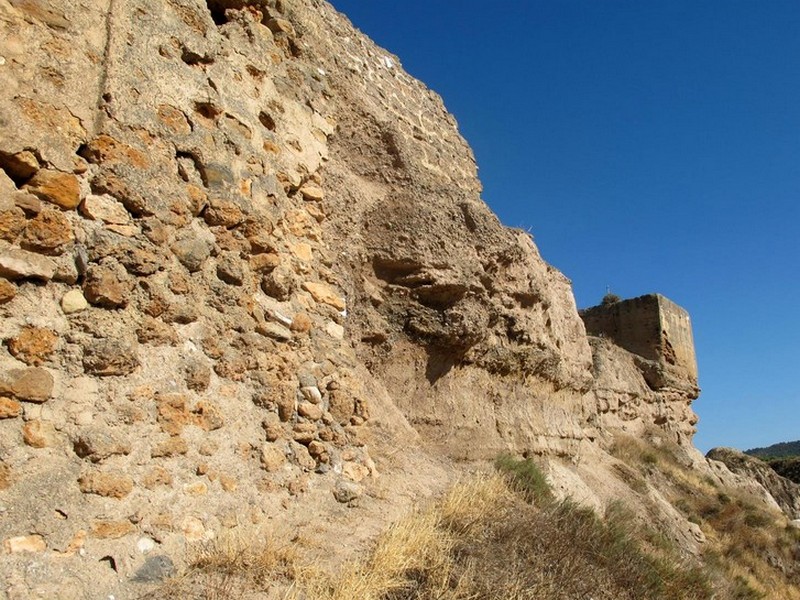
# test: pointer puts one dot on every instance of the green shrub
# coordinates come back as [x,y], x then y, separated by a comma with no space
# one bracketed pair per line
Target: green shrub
[526,478]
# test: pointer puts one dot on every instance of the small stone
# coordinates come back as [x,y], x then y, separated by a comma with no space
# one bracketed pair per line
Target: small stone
[12,223]
[21,264]
[97,444]
[61,189]
[108,484]
[279,283]
[264,262]
[312,412]
[145,545]
[346,491]
[21,165]
[208,416]
[158,333]
[106,287]
[324,294]
[110,357]
[7,291]
[174,446]
[24,543]
[302,457]
[272,457]
[274,331]
[105,208]
[191,253]
[223,213]
[335,330]
[355,472]
[312,192]
[157,568]
[198,488]
[28,203]
[33,345]
[277,25]
[39,434]
[111,530]
[272,427]
[319,451]
[229,269]
[73,301]
[198,375]
[48,233]
[9,408]
[228,483]
[30,385]
[312,394]
[155,477]
[304,433]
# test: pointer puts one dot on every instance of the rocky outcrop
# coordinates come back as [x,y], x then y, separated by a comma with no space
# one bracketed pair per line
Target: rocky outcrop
[785,492]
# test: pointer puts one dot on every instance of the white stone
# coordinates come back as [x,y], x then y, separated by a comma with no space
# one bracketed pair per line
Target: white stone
[335,330]
[106,209]
[145,545]
[73,301]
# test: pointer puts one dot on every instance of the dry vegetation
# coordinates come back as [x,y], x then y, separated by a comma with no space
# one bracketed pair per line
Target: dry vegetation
[751,551]
[504,536]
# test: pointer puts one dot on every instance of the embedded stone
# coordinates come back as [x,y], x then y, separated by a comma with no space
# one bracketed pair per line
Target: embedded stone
[324,293]
[48,233]
[223,213]
[158,333]
[21,264]
[109,357]
[21,165]
[97,444]
[191,253]
[310,411]
[272,458]
[174,446]
[111,530]
[104,208]
[73,301]
[32,345]
[39,434]
[12,223]
[312,192]
[24,543]
[7,291]
[347,491]
[106,287]
[301,323]
[229,269]
[277,25]
[274,331]
[34,384]
[106,483]
[9,408]
[61,189]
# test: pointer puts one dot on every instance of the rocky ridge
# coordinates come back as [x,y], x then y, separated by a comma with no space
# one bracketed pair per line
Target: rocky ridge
[247,280]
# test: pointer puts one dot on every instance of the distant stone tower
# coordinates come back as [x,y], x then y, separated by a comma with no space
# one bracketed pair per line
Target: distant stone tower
[654,328]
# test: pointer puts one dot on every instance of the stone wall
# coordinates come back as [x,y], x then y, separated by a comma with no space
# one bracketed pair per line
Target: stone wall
[651,326]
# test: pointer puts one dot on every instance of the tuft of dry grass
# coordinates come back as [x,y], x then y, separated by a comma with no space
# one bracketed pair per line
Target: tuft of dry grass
[231,566]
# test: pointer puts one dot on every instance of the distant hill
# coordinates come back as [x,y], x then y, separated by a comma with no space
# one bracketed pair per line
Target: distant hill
[784,458]
[782,450]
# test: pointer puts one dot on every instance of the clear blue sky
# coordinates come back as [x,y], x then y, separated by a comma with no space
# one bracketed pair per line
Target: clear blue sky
[649,145]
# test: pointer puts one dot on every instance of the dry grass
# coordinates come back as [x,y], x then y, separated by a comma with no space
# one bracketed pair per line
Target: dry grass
[750,551]
[504,536]
[486,540]
[230,567]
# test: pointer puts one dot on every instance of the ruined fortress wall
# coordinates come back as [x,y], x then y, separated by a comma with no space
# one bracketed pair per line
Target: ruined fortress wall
[634,324]
[676,327]
[651,326]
